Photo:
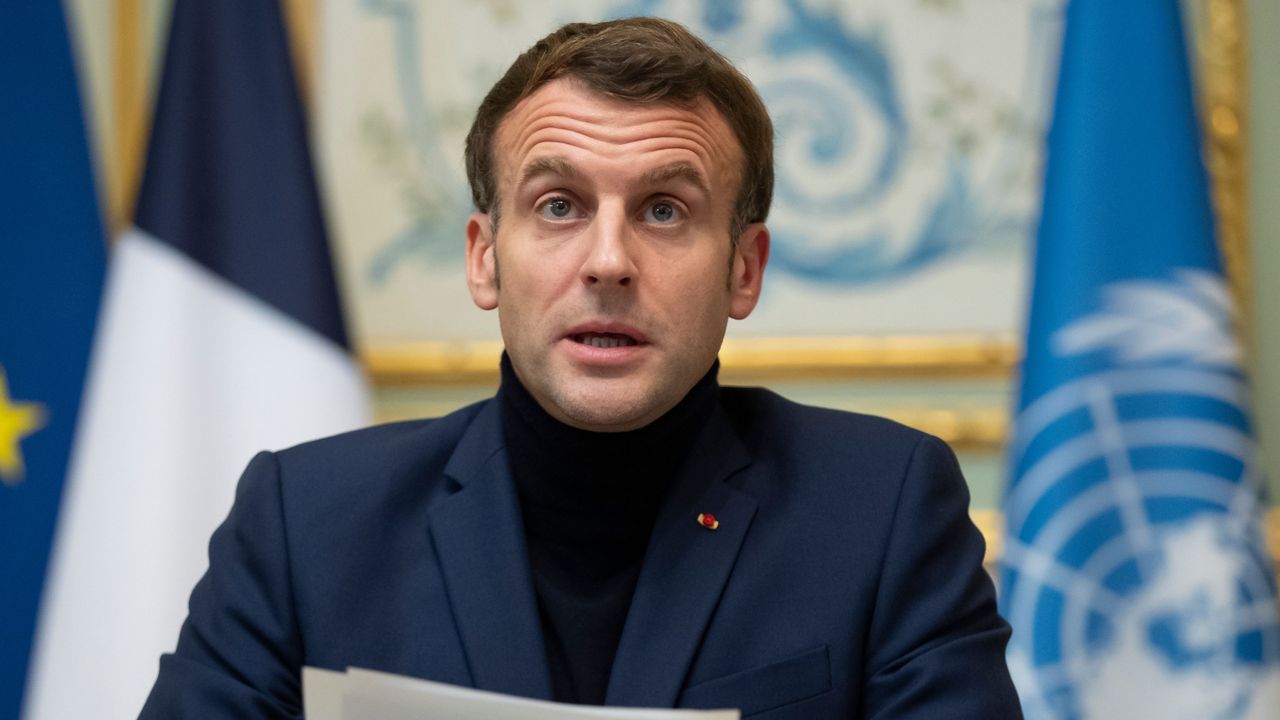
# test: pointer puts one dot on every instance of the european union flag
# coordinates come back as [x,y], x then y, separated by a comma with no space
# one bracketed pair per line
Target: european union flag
[1135,576]
[52,260]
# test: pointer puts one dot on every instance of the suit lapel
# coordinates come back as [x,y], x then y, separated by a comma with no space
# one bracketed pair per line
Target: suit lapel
[685,570]
[479,539]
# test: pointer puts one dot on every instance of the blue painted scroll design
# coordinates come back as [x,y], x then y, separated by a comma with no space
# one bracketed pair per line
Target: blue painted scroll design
[437,201]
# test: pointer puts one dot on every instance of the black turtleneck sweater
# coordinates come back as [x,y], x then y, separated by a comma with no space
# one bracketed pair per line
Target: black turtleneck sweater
[589,501]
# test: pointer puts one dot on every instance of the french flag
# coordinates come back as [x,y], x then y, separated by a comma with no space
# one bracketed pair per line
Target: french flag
[220,334]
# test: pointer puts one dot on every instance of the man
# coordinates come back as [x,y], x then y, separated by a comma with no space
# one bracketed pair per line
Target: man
[613,527]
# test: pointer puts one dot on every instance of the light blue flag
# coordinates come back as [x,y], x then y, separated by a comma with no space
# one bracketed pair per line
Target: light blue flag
[1135,574]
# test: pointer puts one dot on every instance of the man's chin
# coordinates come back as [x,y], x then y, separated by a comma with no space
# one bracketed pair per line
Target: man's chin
[609,412]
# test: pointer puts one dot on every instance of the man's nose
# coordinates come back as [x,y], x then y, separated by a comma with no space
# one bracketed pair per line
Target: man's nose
[609,260]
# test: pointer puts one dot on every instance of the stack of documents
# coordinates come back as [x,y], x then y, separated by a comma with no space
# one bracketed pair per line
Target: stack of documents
[369,695]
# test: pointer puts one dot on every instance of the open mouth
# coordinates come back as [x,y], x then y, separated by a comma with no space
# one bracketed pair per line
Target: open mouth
[604,340]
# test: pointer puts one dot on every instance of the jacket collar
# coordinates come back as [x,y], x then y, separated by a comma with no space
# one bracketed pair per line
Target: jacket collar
[480,543]
[479,540]
[685,570]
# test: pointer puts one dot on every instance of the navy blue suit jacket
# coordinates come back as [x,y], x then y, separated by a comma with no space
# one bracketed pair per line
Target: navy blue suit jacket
[844,579]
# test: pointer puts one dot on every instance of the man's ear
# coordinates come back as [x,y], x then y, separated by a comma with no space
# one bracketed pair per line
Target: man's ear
[482,268]
[747,275]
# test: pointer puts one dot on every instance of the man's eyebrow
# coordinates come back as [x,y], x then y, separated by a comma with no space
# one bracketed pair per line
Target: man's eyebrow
[539,167]
[677,171]
[559,167]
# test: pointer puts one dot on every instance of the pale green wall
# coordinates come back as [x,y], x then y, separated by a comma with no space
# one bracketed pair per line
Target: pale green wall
[1264,37]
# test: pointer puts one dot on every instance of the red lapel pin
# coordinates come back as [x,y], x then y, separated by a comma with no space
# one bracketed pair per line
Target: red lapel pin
[708,521]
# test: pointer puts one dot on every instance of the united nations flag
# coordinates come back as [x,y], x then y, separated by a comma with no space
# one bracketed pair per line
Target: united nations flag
[1135,574]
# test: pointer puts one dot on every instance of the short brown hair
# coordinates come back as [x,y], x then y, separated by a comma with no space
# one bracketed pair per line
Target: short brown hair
[640,60]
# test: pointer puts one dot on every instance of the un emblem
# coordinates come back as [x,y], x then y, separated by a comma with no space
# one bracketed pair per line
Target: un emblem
[1137,581]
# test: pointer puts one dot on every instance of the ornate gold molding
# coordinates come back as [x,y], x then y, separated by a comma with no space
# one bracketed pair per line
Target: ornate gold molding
[432,363]
[441,365]
[1224,96]
[888,356]
[133,53]
[753,359]
[302,24]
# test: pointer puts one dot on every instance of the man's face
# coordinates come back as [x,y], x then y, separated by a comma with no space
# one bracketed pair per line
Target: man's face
[611,268]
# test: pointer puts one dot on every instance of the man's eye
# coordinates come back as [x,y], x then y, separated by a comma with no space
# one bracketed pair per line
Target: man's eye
[557,208]
[662,212]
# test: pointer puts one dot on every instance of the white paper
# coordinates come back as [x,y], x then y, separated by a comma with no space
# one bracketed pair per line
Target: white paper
[371,695]
[322,693]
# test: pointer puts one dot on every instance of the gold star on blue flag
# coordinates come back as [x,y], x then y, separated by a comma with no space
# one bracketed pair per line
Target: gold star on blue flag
[17,420]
